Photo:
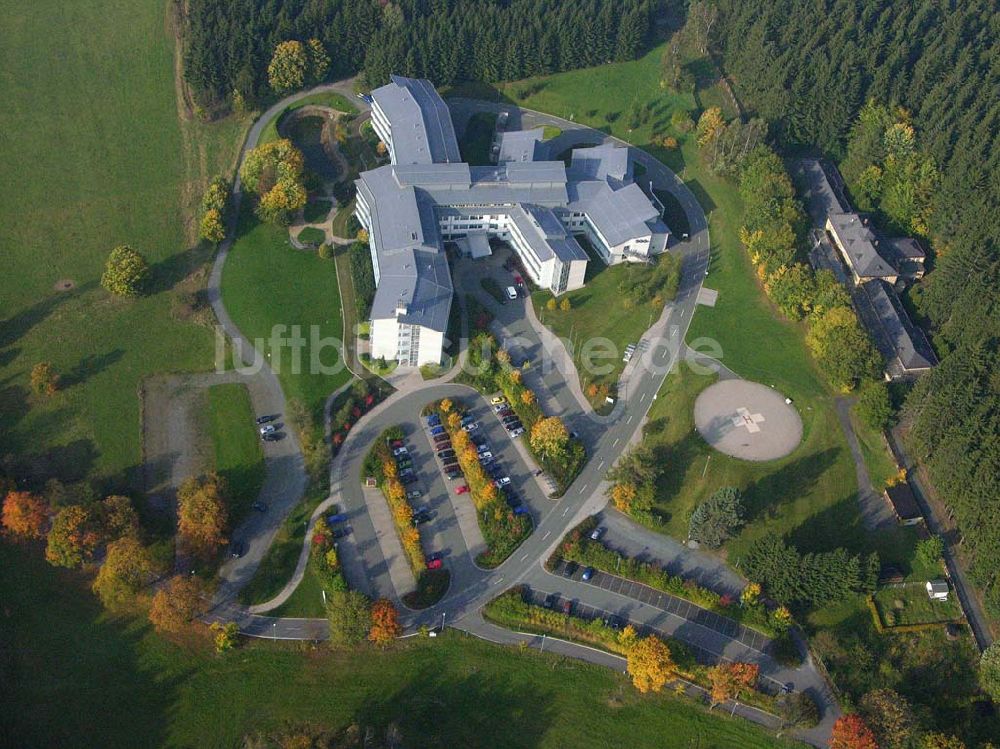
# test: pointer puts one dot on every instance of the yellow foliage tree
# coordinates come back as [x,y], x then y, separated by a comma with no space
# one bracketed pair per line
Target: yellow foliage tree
[527,397]
[288,67]
[446,405]
[623,496]
[202,515]
[710,125]
[650,664]
[549,436]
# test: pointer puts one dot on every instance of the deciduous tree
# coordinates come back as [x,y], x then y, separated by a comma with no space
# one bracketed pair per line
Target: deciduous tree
[350,617]
[622,496]
[73,538]
[127,566]
[798,710]
[874,406]
[44,379]
[202,515]
[176,604]
[989,671]
[126,272]
[890,717]
[288,67]
[731,680]
[385,622]
[226,636]
[851,732]
[211,228]
[119,517]
[650,664]
[549,436]
[25,515]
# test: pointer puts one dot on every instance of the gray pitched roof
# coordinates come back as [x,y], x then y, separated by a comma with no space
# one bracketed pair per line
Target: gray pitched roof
[545,234]
[901,340]
[619,215]
[820,195]
[522,145]
[420,279]
[602,162]
[859,242]
[422,131]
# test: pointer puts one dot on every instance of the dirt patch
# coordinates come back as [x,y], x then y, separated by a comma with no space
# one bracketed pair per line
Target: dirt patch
[64,284]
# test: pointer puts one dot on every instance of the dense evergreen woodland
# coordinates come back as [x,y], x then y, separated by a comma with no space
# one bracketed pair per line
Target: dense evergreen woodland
[906,96]
[230,43]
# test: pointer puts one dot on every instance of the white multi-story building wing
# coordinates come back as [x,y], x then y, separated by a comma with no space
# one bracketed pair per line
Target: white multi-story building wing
[427,195]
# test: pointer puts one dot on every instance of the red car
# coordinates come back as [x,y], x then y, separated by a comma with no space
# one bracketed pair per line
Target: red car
[434,563]
[463,489]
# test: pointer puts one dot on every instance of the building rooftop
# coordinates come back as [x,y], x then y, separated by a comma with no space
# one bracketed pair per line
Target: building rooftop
[522,145]
[901,341]
[906,248]
[422,131]
[861,246]
[418,279]
[601,163]
[619,215]
[545,234]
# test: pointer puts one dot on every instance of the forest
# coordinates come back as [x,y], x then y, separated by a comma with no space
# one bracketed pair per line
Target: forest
[228,44]
[906,98]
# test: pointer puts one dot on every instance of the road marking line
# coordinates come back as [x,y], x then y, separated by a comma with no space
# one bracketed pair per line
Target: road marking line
[547,534]
[600,465]
[642,397]
[524,557]
[617,440]
[629,419]
[565,511]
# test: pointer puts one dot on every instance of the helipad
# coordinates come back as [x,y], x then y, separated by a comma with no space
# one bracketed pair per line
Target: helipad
[747,420]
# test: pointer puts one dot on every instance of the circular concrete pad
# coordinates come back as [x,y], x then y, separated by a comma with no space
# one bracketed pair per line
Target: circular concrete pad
[747,420]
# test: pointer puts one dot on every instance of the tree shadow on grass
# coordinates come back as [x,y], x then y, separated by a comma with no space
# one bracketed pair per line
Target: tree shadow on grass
[675,459]
[434,709]
[167,273]
[839,525]
[18,325]
[90,365]
[765,497]
[73,676]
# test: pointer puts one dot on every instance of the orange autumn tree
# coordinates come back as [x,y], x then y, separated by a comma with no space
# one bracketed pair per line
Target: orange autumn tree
[385,622]
[623,495]
[650,664]
[176,604]
[851,732]
[730,680]
[73,538]
[202,515]
[25,515]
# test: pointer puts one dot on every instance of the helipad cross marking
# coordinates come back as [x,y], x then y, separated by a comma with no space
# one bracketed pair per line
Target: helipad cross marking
[744,418]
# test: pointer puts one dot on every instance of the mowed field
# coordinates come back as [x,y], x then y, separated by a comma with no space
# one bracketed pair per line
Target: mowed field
[94,155]
[101,681]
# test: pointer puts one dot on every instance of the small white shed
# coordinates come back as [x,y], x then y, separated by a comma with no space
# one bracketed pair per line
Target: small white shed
[937,590]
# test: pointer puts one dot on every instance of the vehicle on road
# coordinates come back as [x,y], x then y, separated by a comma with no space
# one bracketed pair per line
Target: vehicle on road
[335,518]
[260,506]
[569,569]
[587,574]
[463,489]
[266,418]
[496,400]
[595,535]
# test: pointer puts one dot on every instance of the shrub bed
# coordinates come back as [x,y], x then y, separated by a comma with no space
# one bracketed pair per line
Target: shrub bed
[380,464]
[751,612]
[431,587]
[502,530]
[360,398]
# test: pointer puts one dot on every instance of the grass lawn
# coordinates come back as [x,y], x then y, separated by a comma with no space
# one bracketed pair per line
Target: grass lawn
[69,663]
[550,131]
[93,141]
[306,600]
[327,99]
[268,284]
[312,236]
[238,454]
[477,139]
[909,604]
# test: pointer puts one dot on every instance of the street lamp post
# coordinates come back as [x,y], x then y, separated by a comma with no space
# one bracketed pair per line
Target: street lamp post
[274,631]
[542,648]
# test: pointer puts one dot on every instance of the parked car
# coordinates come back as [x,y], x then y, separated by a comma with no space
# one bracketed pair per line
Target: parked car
[470,427]
[446,455]
[437,430]
[433,420]
[421,518]
[422,510]
[482,448]
[439,438]
[400,451]
[335,518]
[517,432]
[513,500]
[463,489]
[260,506]
[501,406]
[587,574]
[595,535]
[341,532]
[434,562]
[550,600]
[496,400]
[396,443]
[502,481]
[567,607]
[468,418]
[512,423]
[478,440]
[273,436]
[414,494]
[404,463]
[511,293]
[522,510]
[266,418]
[267,429]
[614,622]
[570,568]
[441,447]
[485,456]
[452,475]
[407,477]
